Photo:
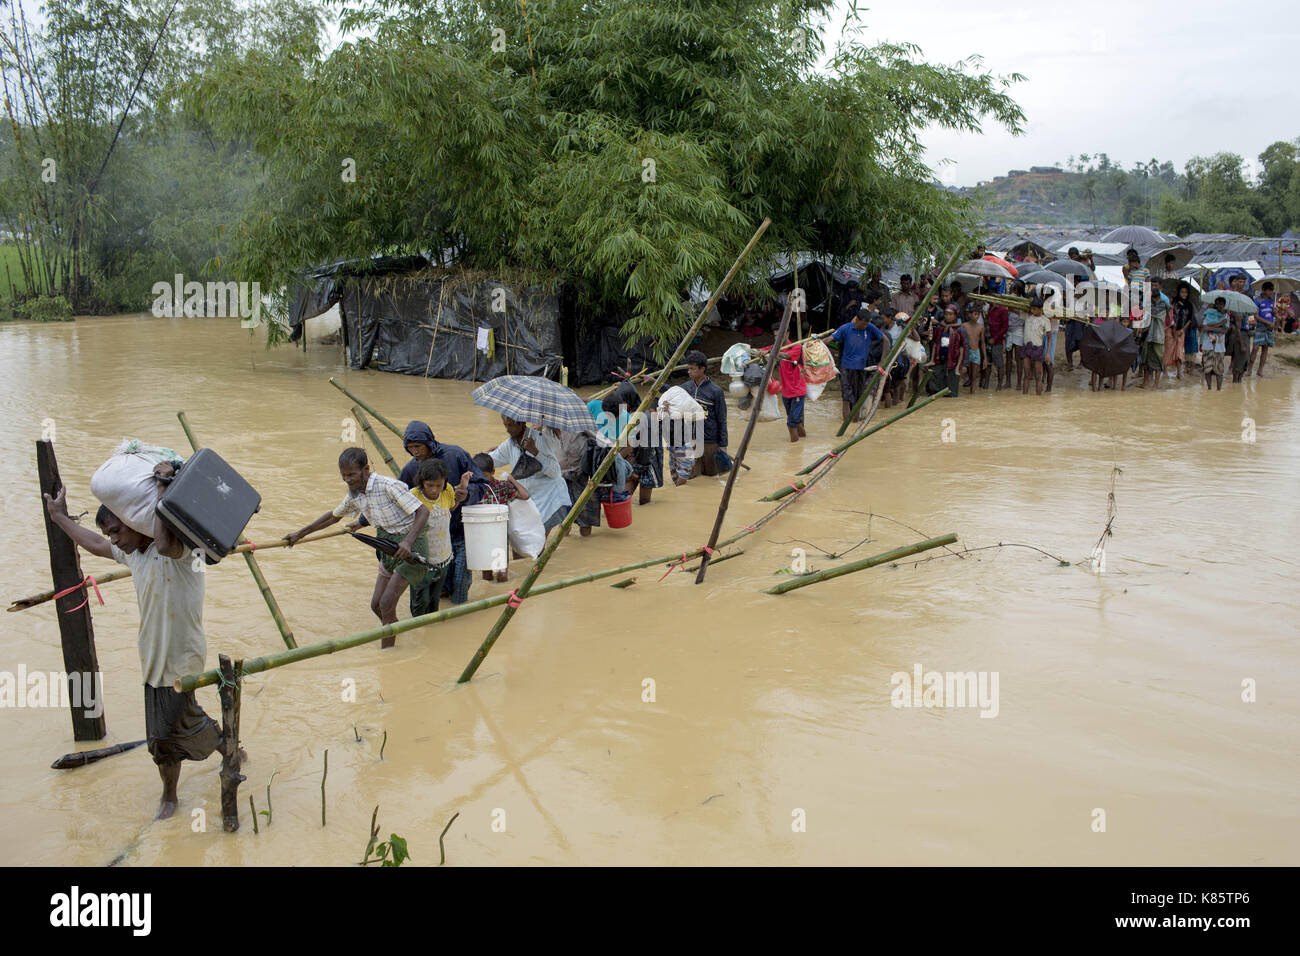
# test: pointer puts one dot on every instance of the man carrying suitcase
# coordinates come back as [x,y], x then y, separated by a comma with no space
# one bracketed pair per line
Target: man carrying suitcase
[169,592]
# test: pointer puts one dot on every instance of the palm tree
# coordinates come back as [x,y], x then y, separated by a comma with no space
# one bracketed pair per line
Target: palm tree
[1090,194]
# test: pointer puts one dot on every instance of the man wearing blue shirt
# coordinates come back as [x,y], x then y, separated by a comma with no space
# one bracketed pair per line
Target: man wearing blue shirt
[855,339]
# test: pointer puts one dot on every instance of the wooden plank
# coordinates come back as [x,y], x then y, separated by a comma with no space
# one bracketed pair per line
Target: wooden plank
[76,631]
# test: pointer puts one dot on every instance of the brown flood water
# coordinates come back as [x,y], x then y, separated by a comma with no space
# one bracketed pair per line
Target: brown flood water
[1120,691]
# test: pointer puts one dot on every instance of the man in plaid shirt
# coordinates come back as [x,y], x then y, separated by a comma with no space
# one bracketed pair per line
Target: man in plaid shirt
[396,515]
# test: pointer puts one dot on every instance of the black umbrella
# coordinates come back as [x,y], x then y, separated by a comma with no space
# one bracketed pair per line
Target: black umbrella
[388,547]
[1108,349]
[1068,267]
[1134,236]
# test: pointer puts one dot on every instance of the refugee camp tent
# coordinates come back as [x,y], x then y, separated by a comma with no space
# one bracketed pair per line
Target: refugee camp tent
[399,315]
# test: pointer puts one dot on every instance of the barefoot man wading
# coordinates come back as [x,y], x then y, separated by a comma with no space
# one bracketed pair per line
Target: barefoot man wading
[169,592]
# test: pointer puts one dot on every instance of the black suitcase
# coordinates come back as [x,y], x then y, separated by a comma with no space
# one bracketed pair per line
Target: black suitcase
[208,505]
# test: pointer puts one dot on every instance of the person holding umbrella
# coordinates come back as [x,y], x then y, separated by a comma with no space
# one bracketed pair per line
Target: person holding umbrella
[1214,327]
[533,457]
[1263,329]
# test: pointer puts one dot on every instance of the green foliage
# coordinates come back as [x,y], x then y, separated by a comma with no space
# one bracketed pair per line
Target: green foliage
[44,308]
[628,148]
[393,852]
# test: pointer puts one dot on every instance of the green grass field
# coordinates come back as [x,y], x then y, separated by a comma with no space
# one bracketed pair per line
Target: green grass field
[11,278]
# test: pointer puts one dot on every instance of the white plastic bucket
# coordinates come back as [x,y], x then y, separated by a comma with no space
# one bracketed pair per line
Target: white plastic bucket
[485,536]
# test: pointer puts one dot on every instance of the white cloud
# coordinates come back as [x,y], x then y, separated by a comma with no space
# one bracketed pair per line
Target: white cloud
[1130,79]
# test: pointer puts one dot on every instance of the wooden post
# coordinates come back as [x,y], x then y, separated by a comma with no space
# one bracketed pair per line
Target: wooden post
[76,631]
[773,361]
[231,778]
[286,633]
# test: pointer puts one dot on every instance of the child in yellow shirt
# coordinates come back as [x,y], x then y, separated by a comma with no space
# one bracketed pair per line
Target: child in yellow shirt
[432,491]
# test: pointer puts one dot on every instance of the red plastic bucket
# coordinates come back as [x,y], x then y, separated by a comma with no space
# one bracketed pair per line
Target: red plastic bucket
[618,514]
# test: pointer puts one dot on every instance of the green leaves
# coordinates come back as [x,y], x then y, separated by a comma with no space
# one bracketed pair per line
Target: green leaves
[628,149]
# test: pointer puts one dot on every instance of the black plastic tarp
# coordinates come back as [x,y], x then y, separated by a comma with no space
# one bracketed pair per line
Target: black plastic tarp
[429,326]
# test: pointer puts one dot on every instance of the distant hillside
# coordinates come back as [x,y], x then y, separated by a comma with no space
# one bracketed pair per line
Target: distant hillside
[1053,196]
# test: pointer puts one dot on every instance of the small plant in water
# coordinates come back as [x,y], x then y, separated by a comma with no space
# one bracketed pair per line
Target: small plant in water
[390,853]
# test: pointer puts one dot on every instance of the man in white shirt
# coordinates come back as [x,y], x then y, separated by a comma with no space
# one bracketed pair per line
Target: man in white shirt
[169,592]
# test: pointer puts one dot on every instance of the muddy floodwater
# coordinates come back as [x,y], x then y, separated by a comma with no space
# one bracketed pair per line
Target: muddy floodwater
[771,736]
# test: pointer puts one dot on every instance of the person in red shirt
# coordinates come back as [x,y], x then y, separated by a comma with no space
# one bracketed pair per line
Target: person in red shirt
[794,390]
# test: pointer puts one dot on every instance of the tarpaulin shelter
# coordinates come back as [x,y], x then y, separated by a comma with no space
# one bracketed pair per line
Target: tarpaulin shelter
[398,315]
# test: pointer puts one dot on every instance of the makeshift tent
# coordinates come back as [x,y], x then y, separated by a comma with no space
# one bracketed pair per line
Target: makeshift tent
[400,316]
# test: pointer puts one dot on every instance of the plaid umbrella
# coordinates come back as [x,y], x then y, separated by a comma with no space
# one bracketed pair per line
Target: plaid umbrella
[983,267]
[539,401]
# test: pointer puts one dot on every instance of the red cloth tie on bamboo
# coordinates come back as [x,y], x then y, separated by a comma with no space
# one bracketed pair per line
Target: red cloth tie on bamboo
[684,558]
[514,601]
[90,579]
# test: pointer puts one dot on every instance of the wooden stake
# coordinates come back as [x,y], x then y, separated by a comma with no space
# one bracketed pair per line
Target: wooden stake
[83,757]
[558,535]
[231,778]
[325,773]
[276,614]
[76,631]
[773,362]
[804,580]
[888,361]
[370,432]
[377,417]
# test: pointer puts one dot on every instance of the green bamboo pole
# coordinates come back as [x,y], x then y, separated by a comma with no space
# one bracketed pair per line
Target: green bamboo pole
[286,633]
[844,446]
[888,361]
[117,574]
[370,432]
[378,417]
[558,535]
[916,392]
[268,662]
[804,580]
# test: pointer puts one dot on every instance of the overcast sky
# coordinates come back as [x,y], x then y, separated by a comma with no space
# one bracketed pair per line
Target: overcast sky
[1224,65]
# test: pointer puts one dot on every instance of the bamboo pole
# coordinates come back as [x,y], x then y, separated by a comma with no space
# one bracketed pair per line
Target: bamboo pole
[916,392]
[268,662]
[771,364]
[377,417]
[804,580]
[22,604]
[286,633]
[370,432]
[844,446]
[888,361]
[558,535]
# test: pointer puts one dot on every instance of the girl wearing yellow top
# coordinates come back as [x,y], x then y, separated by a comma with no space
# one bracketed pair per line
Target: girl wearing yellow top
[432,491]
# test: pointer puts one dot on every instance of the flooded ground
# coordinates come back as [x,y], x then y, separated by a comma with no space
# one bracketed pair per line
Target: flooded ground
[1120,692]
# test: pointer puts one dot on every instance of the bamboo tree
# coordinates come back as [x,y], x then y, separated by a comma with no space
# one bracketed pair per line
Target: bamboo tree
[360,416]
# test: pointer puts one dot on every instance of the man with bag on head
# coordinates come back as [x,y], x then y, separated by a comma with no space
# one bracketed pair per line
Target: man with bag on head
[169,588]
